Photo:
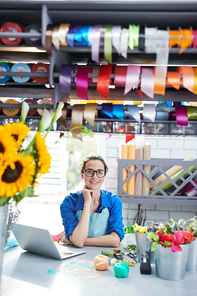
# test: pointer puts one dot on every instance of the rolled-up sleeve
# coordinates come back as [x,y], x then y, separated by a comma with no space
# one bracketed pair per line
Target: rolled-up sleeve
[67,209]
[115,223]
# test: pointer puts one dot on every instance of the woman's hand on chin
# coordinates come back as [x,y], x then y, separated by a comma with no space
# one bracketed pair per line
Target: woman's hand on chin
[88,194]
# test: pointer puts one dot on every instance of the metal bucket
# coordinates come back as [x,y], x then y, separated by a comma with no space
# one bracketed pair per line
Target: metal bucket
[192,257]
[144,246]
[171,265]
[3,231]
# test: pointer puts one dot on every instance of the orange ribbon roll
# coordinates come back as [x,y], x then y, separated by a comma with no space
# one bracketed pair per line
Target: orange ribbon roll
[186,39]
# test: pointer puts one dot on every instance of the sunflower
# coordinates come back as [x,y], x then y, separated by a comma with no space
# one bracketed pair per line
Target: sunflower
[18,131]
[16,174]
[44,157]
[7,143]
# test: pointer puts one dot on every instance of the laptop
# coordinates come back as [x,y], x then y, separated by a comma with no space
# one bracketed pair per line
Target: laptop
[39,241]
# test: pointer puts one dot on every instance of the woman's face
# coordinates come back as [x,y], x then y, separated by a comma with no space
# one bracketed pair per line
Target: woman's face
[93,182]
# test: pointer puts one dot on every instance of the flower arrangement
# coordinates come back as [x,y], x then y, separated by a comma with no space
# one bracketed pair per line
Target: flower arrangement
[23,160]
[192,225]
[171,235]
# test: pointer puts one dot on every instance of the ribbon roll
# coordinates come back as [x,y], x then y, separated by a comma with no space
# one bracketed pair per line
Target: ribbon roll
[78,35]
[70,37]
[132,78]
[120,74]
[124,38]
[64,114]
[194,38]
[55,38]
[48,39]
[149,112]
[173,78]
[192,113]
[163,115]
[181,116]
[62,32]
[97,30]
[133,36]
[162,55]
[132,113]
[147,82]
[116,33]
[195,80]
[82,82]
[90,35]
[107,109]
[118,111]
[150,40]
[85,32]
[108,43]
[186,39]
[175,38]
[188,77]
[104,80]
[77,121]
[89,112]
[65,78]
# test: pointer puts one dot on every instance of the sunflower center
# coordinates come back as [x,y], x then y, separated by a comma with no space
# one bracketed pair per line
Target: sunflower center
[2,150]
[10,175]
[15,137]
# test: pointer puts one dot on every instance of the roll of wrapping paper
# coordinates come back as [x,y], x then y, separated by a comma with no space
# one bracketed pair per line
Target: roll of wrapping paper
[32,111]
[131,181]
[40,67]
[124,155]
[43,102]
[146,182]
[139,175]
[12,28]
[172,171]
[12,111]
[33,29]
[169,184]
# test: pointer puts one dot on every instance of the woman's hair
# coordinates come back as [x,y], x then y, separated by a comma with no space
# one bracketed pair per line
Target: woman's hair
[92,157]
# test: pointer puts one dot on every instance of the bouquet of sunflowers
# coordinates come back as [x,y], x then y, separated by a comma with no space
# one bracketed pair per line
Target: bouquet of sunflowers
[24,159]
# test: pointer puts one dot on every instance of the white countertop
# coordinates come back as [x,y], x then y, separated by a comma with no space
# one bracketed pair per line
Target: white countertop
[26,273]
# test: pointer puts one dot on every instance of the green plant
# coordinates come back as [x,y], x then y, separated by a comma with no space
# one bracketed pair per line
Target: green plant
[192,225]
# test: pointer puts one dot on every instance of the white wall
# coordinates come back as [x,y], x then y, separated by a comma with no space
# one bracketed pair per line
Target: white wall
[161,147]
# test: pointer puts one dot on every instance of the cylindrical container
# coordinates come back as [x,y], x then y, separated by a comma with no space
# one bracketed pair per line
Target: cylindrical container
[40,67]
[171,265]
[43,102]
[20,67]
[32,111]
[4,68]
[192,257]
[144,247]
[3,233]
[12,111]
[33,29]
[13,28]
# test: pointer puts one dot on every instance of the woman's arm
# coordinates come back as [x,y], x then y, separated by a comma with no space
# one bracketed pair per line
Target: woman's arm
[109,240]
[80,232]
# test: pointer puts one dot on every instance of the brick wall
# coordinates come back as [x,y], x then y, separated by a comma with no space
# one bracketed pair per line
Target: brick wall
[161,147]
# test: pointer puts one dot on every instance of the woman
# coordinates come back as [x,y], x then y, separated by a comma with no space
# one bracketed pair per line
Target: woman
[92,217]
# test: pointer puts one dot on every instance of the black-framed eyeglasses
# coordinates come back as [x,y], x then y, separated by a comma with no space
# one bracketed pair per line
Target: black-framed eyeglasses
[90,173]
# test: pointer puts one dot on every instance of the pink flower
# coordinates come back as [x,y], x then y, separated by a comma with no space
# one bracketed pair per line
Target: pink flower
[177,241]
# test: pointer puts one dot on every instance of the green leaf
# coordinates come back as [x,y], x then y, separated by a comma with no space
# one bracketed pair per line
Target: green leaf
[24,111]
[153,236]
[4,201]
[167,244]
[154,246]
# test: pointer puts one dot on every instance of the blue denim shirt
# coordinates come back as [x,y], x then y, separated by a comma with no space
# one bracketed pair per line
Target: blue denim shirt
[75,201]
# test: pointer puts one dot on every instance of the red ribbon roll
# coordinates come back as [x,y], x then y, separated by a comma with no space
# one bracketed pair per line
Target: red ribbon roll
[104,80]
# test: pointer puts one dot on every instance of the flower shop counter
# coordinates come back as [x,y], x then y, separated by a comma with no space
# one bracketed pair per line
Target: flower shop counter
[28,274]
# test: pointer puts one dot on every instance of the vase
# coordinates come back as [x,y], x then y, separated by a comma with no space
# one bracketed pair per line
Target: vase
[3,233]
[171,265]
[192,257]
[144,246]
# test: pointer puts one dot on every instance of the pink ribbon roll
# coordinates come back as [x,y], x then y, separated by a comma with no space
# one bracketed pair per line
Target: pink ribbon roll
[147,82]
[132,78]
[181,115]
[82,82]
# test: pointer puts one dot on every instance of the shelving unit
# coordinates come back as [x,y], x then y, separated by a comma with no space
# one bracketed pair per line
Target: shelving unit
[160,14]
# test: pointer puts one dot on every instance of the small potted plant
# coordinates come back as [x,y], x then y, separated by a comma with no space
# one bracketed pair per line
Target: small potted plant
[171,245]
[192,256]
